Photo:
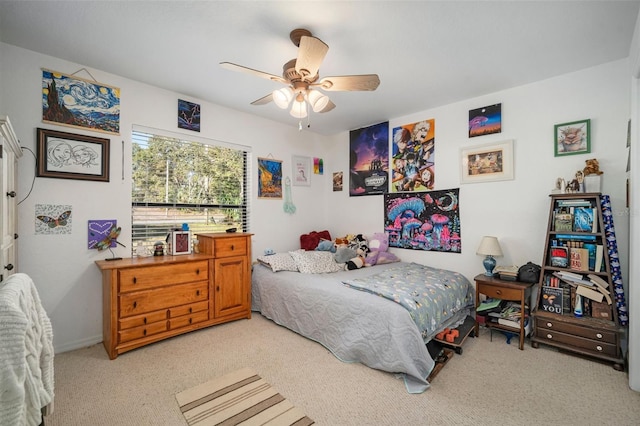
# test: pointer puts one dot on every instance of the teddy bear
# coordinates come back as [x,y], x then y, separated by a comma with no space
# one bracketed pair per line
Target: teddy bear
[378,250]
[592,167]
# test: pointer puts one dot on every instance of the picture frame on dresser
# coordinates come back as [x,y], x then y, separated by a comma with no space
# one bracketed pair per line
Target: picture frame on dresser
[64,155]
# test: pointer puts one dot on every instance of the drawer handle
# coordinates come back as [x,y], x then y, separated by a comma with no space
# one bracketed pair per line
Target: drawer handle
[549,336]
[599,335]
[135,280]
[190,320]
[144,332]
[197,292]
[549,325]
[498,292]
[232,247]
[599,348]
[135,305]
[217,288]
[145,320]
[190,310]
[197,271]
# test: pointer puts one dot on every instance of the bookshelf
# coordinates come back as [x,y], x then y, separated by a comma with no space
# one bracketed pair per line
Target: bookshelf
[576,299]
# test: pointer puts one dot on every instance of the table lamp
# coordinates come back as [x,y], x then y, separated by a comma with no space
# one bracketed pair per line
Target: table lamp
[489,247]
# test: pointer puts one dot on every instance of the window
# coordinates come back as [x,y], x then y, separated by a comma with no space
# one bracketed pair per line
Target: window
[175,181]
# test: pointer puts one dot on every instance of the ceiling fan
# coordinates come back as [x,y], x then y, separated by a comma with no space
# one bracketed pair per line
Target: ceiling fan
[301,78]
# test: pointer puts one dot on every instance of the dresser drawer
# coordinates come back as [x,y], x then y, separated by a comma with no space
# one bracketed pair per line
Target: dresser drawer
[597,347]
[134,279]
[142,331]
[188,309]
[144,319]
[139,302]
[187,320]
[500,292]
[226,247]
[587,332]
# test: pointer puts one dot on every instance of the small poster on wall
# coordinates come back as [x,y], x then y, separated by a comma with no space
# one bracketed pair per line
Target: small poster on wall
[53,219]
[188,115]
[413,162]
[485,121]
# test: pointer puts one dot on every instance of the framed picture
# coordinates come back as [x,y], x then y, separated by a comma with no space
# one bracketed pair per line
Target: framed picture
[179,242]
[572,138]
[75,102]
[487,163]
[485,121]
[301,171]
[188,115]
[269,178]
[69,156]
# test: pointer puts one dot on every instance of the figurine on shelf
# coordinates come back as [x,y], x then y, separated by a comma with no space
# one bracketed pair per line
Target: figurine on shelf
[158,248]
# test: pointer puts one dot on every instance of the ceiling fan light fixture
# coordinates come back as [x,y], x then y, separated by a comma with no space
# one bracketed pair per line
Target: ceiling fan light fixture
[317,100]
[282,97]
[299,109]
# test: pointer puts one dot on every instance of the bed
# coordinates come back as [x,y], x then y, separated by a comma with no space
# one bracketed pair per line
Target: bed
[347,312]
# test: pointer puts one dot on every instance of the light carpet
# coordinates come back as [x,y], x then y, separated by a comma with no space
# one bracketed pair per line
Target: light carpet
[238,397]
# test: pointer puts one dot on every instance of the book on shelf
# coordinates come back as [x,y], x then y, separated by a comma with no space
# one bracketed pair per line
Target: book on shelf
[589,293]
[563,222]
[579,259]
[490,305]
[559,256]
[551,299]
[578,202]
[584,219]
[516,324]
[604,286]
[575,237]
[591,249]
[573,279]
[598,264]
[600,310]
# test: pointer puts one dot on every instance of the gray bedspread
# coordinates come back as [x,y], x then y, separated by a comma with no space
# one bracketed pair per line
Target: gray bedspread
[355,326]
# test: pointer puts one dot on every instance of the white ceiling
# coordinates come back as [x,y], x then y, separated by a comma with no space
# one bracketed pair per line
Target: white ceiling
[426,53]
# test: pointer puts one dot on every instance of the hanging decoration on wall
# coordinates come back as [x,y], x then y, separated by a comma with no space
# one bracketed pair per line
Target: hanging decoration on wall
[269,178]
[318,166]
[485,121]
[75,102]
[53,219]
[369,160]
[98,230]
[288,206]
[427,221]
[413,161]
[188,115]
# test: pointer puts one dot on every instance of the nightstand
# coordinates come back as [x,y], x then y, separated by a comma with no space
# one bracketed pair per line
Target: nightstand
[496,288]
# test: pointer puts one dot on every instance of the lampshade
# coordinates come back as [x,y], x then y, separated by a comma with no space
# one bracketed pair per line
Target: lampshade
[317,100]
[299,109]
[282,97]
[489,246]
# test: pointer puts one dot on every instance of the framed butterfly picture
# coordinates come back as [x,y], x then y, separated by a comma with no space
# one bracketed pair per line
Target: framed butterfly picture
[65,155]
[53,219]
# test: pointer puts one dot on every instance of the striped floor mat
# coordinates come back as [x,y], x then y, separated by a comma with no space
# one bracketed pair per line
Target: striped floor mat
[239,397]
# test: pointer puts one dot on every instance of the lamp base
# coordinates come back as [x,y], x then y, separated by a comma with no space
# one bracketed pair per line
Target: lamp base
[489,263]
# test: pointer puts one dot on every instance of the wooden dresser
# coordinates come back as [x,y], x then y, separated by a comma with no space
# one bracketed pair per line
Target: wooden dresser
[147,299]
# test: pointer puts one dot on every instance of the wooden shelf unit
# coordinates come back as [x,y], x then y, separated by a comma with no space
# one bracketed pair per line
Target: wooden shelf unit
[585,335]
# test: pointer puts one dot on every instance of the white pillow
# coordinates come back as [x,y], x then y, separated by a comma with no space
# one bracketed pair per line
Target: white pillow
[279,262]
[315,262]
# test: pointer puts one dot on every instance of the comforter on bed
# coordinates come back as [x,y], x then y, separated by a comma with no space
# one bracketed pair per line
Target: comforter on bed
[355,326]
[431,295]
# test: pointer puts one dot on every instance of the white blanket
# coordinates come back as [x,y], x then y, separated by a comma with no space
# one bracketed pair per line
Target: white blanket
[26,353]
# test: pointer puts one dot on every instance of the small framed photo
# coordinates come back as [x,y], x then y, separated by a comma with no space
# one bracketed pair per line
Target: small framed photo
[69,156]
[572,138]
[487,163]
[301,171]
[179,242]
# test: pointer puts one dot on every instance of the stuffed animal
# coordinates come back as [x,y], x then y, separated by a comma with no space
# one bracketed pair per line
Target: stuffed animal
[378,254]
[326,245]
[355,263]
[359,244]
[592,167]
[344,254]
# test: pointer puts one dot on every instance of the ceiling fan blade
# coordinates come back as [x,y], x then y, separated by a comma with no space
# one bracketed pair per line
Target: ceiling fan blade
[329,107]
[263,100]
[240,68]
[349,82]
[311,53]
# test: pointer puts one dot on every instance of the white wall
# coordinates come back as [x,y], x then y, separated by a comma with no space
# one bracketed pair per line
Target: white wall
[514,211]
[61,265]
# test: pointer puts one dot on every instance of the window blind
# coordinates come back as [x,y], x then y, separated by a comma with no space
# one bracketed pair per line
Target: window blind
[203,183]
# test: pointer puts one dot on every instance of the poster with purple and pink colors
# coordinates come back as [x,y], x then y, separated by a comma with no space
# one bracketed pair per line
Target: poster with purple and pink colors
[423,221]
[369,160]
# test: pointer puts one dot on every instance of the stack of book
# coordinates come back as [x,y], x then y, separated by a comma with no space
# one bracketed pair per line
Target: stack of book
[511,316]
[590,286]
[507,273]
